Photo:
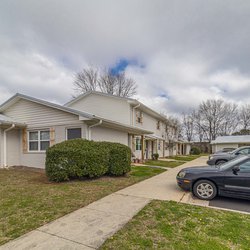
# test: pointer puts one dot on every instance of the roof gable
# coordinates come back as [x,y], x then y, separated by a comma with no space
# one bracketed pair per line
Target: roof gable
[131,101]
[18,97]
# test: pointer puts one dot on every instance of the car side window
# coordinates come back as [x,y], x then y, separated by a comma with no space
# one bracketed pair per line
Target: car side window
[245,167]
[243,151]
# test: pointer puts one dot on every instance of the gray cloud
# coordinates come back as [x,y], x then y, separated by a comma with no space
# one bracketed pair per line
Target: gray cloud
[191,50]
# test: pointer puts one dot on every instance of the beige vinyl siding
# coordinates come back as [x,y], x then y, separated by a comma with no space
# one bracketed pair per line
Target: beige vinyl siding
[104,106]
[37,115]
[107,134]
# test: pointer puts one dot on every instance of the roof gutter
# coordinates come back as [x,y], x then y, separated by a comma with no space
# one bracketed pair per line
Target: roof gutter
[92,126]
[5,144]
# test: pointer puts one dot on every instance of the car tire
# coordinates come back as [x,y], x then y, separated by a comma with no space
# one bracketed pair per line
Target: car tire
[204,190]
[220,162]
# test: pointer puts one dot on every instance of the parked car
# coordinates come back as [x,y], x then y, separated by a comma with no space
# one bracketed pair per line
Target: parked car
[225,150]
[217,159]
[231,179]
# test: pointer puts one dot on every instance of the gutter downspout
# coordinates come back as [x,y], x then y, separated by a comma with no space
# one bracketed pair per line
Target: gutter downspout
[94,125]
[5,144]
[135,107]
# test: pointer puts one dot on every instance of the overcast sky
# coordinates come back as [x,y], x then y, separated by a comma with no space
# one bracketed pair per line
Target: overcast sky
[179,52]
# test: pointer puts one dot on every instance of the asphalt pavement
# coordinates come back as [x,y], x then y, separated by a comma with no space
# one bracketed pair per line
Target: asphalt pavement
[231,203]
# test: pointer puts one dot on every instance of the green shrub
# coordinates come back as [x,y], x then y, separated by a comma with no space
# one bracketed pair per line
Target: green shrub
[155,156]
[81,158]
[195,151]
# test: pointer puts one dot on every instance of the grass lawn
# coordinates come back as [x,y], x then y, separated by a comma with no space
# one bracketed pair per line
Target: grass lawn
[184,157]
[169,164]
[29,200]
[171,225]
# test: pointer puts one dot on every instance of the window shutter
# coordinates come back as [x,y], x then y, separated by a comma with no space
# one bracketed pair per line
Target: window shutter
[52,136]
[25,139]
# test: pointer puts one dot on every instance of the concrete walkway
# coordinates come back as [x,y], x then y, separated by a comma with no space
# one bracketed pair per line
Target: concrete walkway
[164,187]
[89,227]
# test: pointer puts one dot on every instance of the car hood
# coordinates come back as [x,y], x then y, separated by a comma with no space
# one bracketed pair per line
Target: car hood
[201,169]
[221,154]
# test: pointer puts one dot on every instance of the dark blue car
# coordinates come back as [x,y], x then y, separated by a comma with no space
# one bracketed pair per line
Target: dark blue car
[231,179]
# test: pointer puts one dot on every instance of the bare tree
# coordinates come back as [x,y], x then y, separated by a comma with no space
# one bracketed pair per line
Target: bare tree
[86,80]
[199,130]
[216,117]
[188,126]
[244,116]
[105,81]
[230,121]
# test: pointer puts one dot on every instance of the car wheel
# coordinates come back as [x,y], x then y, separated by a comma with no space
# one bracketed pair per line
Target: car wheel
[204,190]
[220,162]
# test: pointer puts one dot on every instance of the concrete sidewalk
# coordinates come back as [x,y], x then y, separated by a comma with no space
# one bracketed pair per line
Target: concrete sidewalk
[89,227]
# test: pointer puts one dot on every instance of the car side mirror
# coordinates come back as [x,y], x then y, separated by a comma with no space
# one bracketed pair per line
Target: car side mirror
[236,169]
[237,153]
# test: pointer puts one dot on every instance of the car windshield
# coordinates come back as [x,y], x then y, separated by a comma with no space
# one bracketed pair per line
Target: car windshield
[233,162]
[234,151]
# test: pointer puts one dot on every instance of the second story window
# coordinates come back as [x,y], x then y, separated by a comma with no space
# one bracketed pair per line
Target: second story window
[158,125]
[139,117]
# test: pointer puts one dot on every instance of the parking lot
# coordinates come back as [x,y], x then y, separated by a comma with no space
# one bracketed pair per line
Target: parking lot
[231,203]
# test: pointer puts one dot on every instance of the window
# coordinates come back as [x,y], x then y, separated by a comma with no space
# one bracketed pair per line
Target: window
[139,117]
[159,145]
[138,144]
[244,151]
[245,167]
[39,140]
[158,124]
[74,133]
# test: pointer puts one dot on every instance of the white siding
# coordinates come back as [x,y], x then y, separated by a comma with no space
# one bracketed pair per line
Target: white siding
[218,147]
[104,106]
[150,123]
[107,134]
[37,115]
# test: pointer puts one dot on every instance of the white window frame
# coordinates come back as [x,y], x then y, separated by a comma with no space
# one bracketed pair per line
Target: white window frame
[38,140]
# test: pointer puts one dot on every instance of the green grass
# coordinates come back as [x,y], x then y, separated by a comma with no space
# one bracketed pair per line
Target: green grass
[171,225]
[184,157]
[169,164]
[28,200]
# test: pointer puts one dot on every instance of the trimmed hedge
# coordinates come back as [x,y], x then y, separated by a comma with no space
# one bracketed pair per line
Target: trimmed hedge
[75,159]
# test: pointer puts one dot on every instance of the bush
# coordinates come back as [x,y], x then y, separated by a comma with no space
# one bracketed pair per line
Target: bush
[81,158]
[195,151]
[155,156]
